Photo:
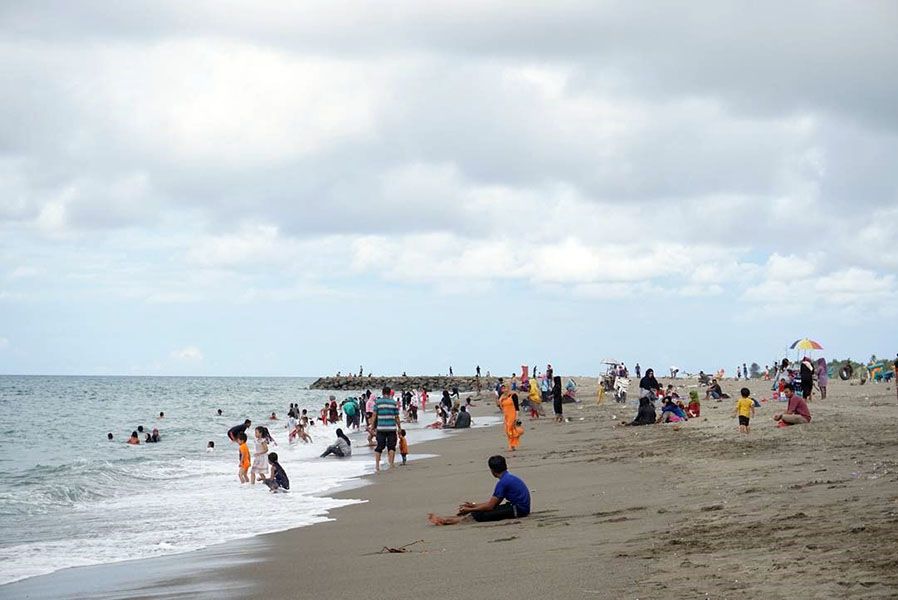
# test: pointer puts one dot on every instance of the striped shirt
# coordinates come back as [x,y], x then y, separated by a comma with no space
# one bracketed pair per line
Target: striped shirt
[386,411]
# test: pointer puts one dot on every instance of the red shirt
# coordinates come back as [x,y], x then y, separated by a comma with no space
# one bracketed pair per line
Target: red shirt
[798,406]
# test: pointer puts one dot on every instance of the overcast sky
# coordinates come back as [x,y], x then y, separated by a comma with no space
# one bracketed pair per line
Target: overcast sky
[278,188]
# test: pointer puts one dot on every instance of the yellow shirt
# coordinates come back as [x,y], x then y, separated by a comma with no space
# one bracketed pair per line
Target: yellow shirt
[744,406]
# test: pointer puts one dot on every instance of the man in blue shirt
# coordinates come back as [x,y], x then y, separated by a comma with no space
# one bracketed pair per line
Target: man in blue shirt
[509,487]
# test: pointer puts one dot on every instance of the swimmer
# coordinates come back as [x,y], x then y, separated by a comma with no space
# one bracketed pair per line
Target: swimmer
[161,415]
[210,447]
[273,417]
[219,412]
[109,436]
[134,440]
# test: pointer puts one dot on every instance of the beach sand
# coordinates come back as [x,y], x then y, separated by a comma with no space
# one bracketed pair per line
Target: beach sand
[694,510]
[690,511]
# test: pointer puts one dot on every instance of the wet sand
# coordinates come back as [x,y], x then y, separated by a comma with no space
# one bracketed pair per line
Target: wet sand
[694,510]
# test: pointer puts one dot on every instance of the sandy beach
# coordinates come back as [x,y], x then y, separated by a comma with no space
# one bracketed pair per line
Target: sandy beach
[651,512]
[690,511]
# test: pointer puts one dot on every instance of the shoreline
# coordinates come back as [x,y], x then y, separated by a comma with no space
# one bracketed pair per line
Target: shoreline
[131,575]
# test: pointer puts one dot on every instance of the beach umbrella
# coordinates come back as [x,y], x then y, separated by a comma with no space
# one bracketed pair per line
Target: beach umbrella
[805,344]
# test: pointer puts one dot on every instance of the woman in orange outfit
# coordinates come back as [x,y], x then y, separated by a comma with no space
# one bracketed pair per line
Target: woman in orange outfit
[510,415]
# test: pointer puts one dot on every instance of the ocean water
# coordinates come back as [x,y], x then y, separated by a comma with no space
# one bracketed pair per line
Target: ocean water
[69,497]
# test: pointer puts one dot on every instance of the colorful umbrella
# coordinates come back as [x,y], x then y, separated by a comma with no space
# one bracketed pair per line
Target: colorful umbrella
[805,344]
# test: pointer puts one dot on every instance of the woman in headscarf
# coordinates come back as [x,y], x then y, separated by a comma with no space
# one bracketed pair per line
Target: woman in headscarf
[536,401]
[342,447]
[509,413]
[822,374]
[446,402]
[648,384]
[646,414]
[807,378]
[557,392]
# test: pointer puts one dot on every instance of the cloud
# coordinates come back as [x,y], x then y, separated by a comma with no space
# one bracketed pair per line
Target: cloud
[4,343]
[188,353]
[178,156]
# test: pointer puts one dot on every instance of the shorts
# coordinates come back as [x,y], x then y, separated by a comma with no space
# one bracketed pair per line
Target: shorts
[503,511]
[743,421]
[386,439]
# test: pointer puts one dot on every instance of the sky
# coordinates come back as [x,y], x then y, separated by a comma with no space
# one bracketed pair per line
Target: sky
[285,188]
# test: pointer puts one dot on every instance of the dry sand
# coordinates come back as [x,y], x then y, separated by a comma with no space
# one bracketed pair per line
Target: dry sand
[690,511]
[695,510]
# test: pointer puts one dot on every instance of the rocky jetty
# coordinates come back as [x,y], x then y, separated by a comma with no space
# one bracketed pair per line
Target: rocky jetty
[432,383]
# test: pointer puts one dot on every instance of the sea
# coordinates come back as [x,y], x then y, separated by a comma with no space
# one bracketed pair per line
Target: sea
[69,497]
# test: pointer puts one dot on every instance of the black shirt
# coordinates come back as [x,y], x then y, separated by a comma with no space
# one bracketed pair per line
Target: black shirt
[233,431]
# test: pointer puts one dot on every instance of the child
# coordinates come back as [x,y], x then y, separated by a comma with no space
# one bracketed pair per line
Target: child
[260,455]
[210,447]
[278,480]
[745,408]
[304,419]
[694,409]
[243,461]
[515,439]
[300,432]
[403,445]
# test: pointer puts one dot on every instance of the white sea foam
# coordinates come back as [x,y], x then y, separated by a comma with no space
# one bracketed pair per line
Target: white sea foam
[75,500]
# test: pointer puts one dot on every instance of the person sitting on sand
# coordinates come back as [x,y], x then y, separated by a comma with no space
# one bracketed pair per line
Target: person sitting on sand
[714,391]
[695,407]
[670,412]
[342,448]
[797,412]
[463,420]
[646,414]
[509,487]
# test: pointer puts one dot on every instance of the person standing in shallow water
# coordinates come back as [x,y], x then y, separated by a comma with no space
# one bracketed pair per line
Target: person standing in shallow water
[386,427]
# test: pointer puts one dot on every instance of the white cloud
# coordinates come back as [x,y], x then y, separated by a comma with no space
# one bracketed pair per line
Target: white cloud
[25,272]
[188,353]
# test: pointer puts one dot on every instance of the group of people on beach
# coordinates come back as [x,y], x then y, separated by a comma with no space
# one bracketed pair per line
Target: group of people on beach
[674,409]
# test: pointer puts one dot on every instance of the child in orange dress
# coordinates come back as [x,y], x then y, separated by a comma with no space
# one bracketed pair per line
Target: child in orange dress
[515,440]
[403,445]
[244,458]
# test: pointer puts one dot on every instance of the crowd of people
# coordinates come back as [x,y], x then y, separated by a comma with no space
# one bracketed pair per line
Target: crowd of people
[382,418]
